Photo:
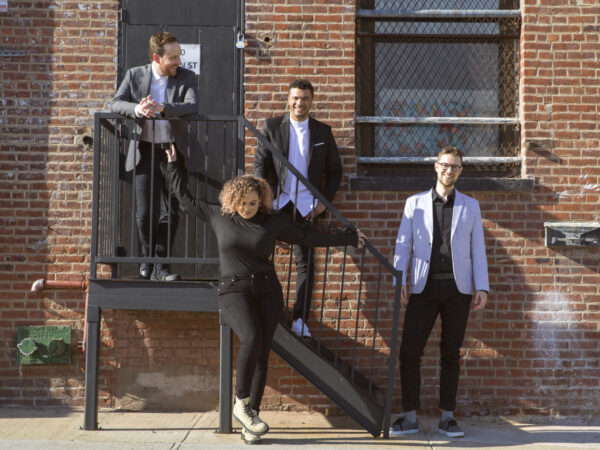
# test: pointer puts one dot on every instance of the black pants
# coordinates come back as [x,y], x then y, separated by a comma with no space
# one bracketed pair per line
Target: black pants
[252,307]
[439,297]
[154,207]
[305,268]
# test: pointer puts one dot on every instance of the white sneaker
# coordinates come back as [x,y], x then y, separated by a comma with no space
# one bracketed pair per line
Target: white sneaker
[299,328]
[248,417]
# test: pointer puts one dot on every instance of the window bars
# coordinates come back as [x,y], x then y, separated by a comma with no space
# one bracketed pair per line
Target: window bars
[437,76]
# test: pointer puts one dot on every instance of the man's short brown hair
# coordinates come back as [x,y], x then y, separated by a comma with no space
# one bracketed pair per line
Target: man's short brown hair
[302,84]
[451,150]
[158,41]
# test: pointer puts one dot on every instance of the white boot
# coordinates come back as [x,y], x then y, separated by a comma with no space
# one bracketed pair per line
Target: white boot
[248,417]
[250,439]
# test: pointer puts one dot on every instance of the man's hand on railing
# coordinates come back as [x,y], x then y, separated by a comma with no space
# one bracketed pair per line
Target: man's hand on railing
[171,153]
[315,212]
[147,107]
[361,238]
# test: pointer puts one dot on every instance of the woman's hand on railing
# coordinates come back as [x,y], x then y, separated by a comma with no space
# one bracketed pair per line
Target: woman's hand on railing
[171,153]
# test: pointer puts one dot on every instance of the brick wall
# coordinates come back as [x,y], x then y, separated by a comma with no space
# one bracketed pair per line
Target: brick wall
[546,313]
[535,349]
[47,96]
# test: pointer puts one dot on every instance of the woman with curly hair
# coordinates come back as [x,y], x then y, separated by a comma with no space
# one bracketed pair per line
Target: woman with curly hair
[250,296]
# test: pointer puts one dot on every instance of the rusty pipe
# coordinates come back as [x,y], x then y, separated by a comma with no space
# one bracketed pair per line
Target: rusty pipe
[42,283]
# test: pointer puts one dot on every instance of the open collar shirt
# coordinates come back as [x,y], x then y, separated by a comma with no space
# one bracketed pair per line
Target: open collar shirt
[441,251]
[298,157]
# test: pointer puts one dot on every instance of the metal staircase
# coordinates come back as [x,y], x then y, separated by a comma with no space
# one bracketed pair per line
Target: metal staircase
[352,362]
[336,380]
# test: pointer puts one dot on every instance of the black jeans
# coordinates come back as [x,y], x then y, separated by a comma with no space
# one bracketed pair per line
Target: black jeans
[152,208]
[305,268]
[439,297]
[252,306]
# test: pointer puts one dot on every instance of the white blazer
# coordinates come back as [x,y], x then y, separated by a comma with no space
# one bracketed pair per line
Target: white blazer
[415,238]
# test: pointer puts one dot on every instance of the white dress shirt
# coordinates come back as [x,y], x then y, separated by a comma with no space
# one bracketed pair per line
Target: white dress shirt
[162,128]
[298,157]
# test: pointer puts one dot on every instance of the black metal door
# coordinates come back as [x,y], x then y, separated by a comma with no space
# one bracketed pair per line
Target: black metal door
[216,26]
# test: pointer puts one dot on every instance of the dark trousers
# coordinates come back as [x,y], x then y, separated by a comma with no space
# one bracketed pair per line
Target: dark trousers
[443,298]
[154,207]
[305,268]
[252,307]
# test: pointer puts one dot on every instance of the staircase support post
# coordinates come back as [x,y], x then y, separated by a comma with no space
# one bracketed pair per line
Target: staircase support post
[90,420]
[389,395]
[225,375]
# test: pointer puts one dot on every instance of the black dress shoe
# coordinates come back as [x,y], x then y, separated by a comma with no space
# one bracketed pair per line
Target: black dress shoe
[161,273]
[145,271]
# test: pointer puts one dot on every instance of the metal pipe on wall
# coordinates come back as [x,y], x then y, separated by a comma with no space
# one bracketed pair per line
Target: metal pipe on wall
[42,283]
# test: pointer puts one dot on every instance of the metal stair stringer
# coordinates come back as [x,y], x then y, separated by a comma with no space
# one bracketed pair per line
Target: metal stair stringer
[324,375]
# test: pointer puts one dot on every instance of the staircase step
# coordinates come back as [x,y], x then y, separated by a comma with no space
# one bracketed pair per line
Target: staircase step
[327,377]
[369,388]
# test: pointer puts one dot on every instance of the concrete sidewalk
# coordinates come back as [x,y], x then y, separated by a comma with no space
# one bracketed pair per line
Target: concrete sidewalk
[61,429]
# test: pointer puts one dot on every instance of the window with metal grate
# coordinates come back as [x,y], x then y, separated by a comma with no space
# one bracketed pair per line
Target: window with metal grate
[434,73]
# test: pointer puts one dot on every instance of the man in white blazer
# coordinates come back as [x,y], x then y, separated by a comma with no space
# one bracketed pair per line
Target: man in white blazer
[441,238]
[161,90]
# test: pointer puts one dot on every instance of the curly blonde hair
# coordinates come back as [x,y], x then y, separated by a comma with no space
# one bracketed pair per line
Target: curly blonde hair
[234,190]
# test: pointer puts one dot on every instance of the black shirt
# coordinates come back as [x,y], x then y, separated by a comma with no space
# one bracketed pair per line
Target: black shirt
[246,245]
[441,251]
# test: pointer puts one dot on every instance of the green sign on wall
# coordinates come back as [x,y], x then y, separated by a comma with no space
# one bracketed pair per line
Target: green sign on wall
[44,345]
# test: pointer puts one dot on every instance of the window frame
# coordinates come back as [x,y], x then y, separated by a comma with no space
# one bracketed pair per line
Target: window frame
[366,19]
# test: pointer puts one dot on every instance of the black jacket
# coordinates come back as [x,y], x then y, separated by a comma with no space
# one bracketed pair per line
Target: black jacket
[181,100]
[324,165]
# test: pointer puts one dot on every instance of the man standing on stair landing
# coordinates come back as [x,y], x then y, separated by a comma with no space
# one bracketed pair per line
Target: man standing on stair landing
[441,235]
[160,90]
[310,147]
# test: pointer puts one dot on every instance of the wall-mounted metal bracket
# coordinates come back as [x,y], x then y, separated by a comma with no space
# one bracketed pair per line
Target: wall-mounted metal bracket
[11,53]
[572,234]
[241,41]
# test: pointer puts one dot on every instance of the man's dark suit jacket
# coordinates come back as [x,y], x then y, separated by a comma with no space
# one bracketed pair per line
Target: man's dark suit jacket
[181,100]
[323,159]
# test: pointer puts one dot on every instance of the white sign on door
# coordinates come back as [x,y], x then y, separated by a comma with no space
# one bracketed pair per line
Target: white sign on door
[190,57]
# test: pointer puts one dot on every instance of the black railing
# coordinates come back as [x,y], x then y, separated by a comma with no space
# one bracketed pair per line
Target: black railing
[115,234]
[356,324]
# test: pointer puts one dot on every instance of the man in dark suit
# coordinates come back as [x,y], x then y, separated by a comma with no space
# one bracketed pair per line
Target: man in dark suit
[309,145]
[160,90]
